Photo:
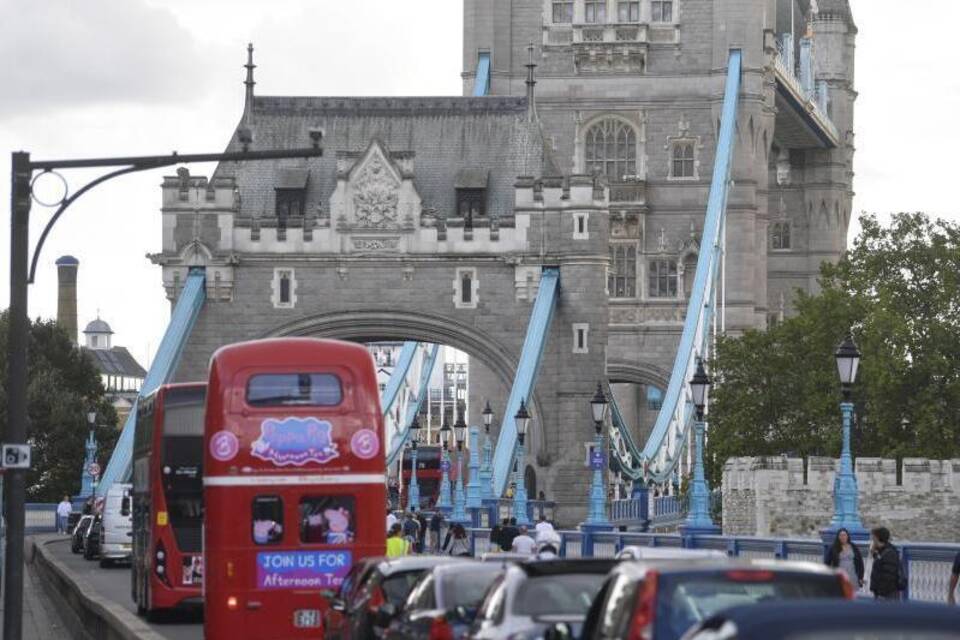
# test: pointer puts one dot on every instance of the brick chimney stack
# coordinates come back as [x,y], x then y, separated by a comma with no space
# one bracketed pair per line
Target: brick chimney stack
[67,295]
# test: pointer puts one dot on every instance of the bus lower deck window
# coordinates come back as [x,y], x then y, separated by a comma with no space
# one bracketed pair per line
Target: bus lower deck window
[267,519]
[327,519]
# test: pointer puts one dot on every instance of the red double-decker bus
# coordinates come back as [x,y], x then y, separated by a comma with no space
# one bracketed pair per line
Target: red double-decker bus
[168,498]
[294,483]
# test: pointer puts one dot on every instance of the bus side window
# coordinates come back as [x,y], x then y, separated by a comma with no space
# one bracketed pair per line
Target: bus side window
[267,520]
[327,519]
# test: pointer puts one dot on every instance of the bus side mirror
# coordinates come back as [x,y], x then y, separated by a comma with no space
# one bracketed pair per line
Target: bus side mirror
[338,605]
[386,614]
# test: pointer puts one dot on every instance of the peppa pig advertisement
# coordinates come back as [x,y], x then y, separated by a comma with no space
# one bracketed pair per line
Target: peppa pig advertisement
[302,569]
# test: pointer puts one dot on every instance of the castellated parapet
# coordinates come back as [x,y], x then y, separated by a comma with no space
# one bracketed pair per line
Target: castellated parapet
[780,496]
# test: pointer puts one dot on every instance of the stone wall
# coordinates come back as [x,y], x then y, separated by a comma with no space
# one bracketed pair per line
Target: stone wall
[781,496]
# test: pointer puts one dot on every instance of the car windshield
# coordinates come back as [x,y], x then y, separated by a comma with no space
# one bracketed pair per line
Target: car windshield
[557,595]
[467,588]
[396,587]
[688,598]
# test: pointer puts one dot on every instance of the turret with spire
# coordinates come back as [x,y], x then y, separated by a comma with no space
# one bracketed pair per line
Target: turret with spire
[245,131]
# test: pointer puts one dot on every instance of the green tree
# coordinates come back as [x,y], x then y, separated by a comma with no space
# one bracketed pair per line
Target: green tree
[63,386]
[898,290]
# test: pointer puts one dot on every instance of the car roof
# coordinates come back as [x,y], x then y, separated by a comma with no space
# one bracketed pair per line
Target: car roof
[638,568]
[388,566]
[794,616]
[560,566]
[639,552]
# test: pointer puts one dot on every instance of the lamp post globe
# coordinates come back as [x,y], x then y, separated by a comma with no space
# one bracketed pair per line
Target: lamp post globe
[598,407]
[847,356]
[699,387]
[91,418]
[487,416]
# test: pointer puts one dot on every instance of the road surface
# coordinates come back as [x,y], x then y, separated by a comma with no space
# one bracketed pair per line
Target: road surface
[114,584]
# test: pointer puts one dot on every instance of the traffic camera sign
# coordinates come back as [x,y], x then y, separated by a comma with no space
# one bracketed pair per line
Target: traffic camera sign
[16,456]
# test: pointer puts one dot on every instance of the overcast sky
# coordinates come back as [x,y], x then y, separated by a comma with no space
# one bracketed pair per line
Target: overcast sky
[130,77]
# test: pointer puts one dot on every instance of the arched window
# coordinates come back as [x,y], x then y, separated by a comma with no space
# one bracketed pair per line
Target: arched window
[611,150]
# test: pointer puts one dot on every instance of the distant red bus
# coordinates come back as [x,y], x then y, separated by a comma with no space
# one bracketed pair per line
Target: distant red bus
[168,498]
[294,483]
[430,473]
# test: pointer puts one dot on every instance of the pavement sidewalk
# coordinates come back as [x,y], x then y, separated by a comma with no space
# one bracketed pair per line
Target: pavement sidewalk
[40,618]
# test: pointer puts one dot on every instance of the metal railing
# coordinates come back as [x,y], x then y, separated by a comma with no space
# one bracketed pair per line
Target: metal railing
[927,565]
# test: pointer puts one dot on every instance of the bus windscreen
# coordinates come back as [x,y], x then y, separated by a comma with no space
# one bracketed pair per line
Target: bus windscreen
[183,489]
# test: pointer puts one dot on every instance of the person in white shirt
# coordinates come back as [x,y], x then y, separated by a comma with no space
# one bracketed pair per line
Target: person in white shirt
[391,520]
[544,528]
[63,514]
[523,543]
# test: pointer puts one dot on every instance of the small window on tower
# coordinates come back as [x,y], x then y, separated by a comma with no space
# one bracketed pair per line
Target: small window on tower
[661,11]
[780,239]
[285,287]
[595,11]
[562,11]
[628,11]
[465,288]
[683,160]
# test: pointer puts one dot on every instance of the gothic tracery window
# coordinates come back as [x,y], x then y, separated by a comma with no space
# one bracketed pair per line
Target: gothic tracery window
[662,282]
[622,277]
[683,160]
[611,150]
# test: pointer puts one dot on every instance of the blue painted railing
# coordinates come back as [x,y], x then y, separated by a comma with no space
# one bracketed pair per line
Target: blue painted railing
[526,377]
[161,371]
[481,83]
[928,565]
[400,437]
[664,447]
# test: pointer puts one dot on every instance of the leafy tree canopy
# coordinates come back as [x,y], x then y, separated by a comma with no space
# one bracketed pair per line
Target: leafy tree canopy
[63,386]
[898,291]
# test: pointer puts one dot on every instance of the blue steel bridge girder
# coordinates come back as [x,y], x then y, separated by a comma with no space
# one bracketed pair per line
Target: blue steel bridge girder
[184,315]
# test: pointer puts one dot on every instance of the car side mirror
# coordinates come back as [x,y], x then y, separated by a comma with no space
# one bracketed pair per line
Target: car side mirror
[462,614]
[558,631]
[338,605]
[385,614]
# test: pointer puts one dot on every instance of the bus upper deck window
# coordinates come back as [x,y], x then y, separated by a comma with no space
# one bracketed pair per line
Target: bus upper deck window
[267,520]
[285,389]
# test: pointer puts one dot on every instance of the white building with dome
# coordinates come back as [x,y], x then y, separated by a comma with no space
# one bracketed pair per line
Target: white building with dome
[122,375]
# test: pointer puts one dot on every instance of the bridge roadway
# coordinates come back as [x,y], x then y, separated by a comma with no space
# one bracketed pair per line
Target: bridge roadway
[113,584]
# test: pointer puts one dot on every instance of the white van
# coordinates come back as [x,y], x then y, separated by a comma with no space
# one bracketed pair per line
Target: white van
[116,525]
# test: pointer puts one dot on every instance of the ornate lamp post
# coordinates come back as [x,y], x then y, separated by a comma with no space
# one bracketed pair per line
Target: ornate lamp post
[522,421]
[443,504]
[88,481]
[459,498]
[486,464]
[846,497]
[698,517]
[597,511]
[413,497]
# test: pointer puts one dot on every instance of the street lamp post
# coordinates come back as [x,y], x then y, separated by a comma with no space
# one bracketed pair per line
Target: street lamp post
[846,494]
[23,268]
[459,514]
[443,504]
[522,422]
[698,521]
[486,464]
[597,510]
[413,492]
[87,479]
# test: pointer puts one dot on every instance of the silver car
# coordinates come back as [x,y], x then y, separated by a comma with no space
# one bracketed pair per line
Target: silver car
[534,596]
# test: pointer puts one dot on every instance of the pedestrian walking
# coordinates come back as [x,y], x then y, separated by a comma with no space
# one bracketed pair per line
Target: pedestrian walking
[457,543]
[422,538]
[886,577]
[63,514]
[496,532]
[391,520]
[397,545]
[523,543]
[436,523]
[954,579]
[509,532]
[411,530]
[845,555]
[543,528]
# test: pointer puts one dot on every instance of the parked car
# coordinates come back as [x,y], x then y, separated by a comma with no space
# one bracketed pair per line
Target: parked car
[661,600]
[830,620]
[355,608]
[116,525]
[91,540]
[80,533]
[530,597]
[444,602]
[636,552]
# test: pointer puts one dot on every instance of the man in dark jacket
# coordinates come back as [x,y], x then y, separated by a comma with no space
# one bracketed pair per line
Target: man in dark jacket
[509,532]
[885,577]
